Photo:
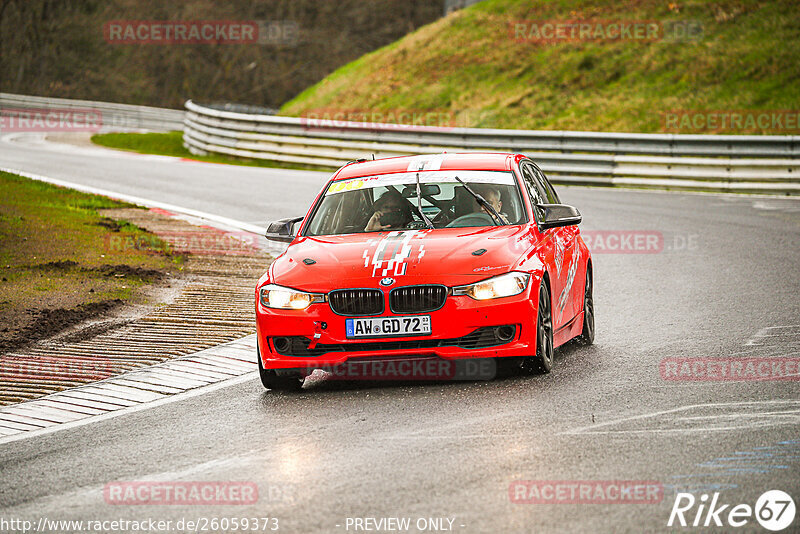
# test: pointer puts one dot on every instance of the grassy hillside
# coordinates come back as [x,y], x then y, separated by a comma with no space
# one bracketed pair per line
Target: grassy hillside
[471,71]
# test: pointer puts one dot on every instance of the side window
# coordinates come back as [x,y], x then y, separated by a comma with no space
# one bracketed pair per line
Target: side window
[549,192]
[536,193]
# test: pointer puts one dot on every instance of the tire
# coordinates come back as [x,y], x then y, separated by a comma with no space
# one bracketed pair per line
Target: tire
[586,336]
[271,380]
[542,362]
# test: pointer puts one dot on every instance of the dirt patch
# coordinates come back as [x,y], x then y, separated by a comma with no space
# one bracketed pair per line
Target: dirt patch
[81,294]
[107,269]
[123,270]
[111,224]
[47,322]
[58,265]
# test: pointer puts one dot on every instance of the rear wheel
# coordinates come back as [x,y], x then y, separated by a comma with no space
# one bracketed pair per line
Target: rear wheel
[543,361]
[271,380]
[587,334]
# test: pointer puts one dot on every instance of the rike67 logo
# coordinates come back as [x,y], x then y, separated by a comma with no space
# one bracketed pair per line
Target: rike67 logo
[774,510]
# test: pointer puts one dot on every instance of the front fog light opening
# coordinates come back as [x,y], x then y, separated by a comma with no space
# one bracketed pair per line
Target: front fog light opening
[505,333]
[281,344]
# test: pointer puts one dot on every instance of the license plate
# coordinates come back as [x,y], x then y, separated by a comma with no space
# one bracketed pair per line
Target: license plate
[414,325]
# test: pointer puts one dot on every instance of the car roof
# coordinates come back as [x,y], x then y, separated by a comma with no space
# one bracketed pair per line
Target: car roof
[474,161]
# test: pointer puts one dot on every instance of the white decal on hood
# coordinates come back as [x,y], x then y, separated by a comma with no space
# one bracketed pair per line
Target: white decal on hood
[391,253]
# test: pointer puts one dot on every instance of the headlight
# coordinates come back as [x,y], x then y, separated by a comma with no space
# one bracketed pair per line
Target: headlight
[273,296]
[504,285]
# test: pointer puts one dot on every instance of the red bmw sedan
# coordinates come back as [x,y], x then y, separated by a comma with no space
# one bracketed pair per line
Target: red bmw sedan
[438,258]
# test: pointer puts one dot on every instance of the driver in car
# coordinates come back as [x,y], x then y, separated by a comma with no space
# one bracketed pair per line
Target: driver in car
[391,213]
[492,196]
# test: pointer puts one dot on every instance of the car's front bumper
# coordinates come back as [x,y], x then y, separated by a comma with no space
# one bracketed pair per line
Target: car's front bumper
[460,317]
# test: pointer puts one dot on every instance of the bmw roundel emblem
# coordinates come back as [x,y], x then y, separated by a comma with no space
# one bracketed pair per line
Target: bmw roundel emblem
[386,282]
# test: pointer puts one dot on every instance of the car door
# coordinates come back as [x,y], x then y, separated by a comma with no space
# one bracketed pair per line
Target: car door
[565,302]
[553,243]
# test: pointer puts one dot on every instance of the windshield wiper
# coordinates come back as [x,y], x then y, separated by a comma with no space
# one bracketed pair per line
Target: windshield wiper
[482,201]
[428,223]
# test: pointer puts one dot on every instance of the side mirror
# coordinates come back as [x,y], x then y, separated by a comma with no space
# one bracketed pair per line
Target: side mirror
[282,230]
[556,215]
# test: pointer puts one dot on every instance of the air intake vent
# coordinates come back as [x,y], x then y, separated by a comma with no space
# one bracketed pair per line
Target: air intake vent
[488,336]
[417,299]
[356,301]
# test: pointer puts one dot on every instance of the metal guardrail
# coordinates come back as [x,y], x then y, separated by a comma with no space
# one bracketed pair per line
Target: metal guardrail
[113,117]
[740,163]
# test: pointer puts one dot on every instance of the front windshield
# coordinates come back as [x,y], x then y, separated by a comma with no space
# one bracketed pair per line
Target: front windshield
[389,202]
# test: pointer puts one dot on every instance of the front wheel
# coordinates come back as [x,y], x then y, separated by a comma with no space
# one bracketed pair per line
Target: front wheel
[543,361]
[271,380]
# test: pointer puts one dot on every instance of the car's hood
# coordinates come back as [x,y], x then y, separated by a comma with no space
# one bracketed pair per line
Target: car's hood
[447,256]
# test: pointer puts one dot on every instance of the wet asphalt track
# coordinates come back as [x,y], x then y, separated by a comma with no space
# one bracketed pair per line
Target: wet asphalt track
[729,270]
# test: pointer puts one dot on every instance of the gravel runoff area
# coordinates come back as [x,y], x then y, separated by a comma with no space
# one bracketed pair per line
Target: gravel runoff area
[207,302]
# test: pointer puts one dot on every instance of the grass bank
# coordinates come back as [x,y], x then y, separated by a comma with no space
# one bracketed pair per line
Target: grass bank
[60,262]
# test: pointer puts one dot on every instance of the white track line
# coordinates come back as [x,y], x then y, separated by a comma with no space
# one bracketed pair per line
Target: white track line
[592,429]
[247,227]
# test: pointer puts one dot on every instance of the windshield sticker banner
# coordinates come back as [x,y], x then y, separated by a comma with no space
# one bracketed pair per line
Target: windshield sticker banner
[425,177]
